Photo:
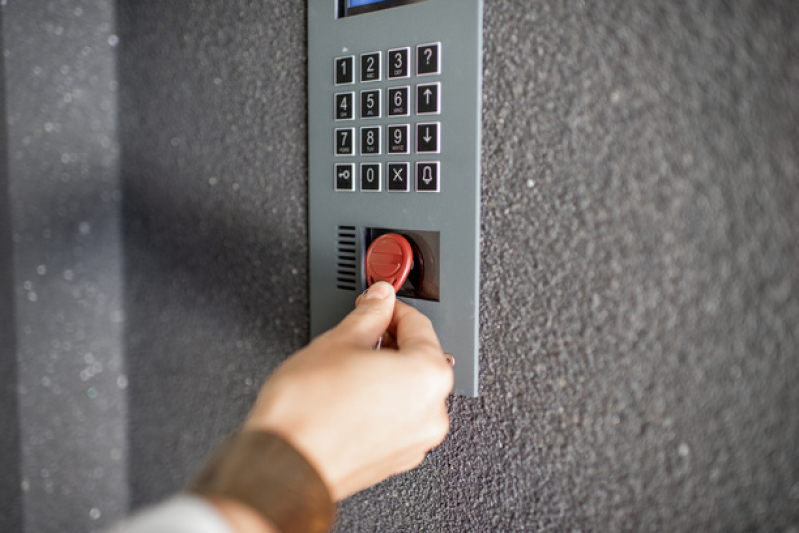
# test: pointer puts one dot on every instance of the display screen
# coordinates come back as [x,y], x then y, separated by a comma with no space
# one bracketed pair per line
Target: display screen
[356,3]
[348,8]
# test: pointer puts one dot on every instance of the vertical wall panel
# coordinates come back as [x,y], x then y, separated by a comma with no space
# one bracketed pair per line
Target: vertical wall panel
[64,195]
[214,172]
[11,518]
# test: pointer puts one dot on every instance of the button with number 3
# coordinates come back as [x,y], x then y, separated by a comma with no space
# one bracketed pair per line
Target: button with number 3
[398,63]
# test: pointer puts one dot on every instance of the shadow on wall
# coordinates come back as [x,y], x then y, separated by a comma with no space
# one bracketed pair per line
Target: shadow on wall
[206,322]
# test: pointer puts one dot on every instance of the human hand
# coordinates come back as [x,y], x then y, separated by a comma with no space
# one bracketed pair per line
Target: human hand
[361,415]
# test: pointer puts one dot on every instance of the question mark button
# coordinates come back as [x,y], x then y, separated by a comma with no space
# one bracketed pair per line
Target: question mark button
[428,59]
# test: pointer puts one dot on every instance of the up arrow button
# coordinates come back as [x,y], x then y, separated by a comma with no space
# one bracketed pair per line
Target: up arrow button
[428,99]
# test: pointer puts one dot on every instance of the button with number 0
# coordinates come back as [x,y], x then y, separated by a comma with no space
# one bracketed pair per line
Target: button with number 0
[370,176]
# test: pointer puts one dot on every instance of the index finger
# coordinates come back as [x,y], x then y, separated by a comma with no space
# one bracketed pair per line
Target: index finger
[413,330]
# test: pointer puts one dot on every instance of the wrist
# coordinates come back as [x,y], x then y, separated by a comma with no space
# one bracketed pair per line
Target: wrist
[242,518]
[262,473]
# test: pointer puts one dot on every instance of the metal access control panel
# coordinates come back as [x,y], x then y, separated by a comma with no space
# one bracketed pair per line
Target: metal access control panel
[394,115]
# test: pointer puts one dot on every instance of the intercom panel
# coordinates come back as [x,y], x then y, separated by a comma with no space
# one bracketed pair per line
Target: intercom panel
[394,111]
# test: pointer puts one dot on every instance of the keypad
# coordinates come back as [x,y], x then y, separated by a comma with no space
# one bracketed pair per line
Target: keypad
[393,145]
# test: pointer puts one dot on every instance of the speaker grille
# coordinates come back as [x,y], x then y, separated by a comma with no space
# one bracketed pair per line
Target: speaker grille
[347,262]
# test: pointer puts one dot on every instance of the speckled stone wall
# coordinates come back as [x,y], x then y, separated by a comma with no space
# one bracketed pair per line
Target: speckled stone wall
[11,518]
[66,277]
[640,290]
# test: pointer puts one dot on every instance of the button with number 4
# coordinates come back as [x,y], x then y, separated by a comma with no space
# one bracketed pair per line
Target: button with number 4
[344,106]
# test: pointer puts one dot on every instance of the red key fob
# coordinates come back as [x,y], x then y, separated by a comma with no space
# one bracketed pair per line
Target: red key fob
[389,258]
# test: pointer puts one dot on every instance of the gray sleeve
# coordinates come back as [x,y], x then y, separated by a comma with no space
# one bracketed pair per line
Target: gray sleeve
[181,514]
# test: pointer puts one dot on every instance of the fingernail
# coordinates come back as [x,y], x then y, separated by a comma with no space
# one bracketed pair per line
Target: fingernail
[379,291]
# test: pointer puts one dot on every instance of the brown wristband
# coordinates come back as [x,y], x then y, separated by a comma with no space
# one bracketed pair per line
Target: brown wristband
[266,473]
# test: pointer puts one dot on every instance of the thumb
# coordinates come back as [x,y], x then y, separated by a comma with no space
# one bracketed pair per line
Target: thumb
[371,317]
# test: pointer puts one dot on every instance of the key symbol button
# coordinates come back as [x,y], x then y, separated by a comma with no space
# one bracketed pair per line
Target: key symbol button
[344,177]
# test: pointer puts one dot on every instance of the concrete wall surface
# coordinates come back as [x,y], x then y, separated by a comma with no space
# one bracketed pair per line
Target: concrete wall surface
[639,288]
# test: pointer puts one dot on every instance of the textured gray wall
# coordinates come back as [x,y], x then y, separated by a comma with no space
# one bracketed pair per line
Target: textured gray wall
[11,518]
[640,290]
[66,279]
[214,171]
